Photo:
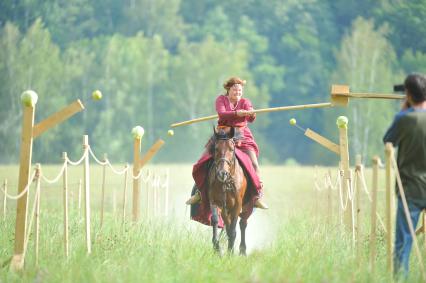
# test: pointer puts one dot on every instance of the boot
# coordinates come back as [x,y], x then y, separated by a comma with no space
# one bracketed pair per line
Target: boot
[260,204]
[194,199]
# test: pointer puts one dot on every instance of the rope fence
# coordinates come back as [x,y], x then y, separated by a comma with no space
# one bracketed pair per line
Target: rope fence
[156,183]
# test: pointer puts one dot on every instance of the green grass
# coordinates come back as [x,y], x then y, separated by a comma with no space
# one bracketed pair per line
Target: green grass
[293,241]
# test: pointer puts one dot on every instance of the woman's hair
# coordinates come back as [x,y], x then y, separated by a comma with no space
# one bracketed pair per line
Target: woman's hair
[233,81]
[415,85]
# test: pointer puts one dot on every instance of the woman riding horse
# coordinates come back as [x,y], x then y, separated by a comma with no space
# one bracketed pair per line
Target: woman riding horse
[235,111]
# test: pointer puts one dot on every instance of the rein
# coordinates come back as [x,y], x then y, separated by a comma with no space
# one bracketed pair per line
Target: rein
[229,184]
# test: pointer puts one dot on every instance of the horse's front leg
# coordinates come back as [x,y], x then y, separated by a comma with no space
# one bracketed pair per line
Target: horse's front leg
[232,234]
[243,226]
[215,221]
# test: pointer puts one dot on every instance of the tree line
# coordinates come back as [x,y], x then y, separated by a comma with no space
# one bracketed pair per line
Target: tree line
[164,61]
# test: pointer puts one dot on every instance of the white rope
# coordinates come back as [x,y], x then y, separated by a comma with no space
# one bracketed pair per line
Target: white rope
[137,176]
[342,204]
[364,186]
[148,176]
[95,158]
[54,180]
[115,171]
[30,225]
[27,187]
[85,153]
[329,183]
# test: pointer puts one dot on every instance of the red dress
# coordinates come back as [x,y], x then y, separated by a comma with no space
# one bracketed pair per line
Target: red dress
[228,117]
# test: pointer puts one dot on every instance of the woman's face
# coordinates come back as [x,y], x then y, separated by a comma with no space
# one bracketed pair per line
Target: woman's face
[235,92]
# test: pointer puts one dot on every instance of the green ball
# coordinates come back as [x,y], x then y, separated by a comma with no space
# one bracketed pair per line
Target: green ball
[29,98]
[342,122]
[138,132]
[293,121]
[170,133]
[97,95]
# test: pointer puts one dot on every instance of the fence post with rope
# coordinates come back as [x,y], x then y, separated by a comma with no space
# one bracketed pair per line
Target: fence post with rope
[103,189]
[4,199]
[86,183]
[389,206]
[37,213]
[358,169]
[342,123]
[65,200]
[373,235]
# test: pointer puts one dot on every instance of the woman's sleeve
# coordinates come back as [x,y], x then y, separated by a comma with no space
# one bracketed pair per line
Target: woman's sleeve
[221,109]
[248,106]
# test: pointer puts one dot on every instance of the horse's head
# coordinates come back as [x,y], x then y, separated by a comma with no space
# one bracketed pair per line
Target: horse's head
[224,153]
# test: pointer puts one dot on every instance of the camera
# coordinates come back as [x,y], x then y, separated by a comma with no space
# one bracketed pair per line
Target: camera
[399,88]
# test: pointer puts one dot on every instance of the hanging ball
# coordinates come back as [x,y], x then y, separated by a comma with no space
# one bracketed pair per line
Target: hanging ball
[138,132]
[29,98]
[170,133]
[97,95]
[342,122]
[292,121]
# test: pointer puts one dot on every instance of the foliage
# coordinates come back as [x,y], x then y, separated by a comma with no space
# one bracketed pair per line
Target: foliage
[159,62]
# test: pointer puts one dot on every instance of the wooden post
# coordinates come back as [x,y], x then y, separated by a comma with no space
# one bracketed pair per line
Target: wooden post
[114,201]
[389,206]
[79,197]
[5,199]
[166,196]
[103,190]
[125,192]
[136,182]
[373,234]
[17,262]
[65,200]
[357,192]
[87,193]
[330,200]
[346,179]
[37,214]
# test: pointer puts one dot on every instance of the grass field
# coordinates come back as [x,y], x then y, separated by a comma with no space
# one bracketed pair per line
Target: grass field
[294,241]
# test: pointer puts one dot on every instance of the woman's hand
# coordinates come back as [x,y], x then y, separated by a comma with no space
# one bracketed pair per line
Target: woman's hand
[245,113]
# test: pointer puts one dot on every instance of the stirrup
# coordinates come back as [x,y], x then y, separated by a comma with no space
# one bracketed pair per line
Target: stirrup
[260,204]
[194,199]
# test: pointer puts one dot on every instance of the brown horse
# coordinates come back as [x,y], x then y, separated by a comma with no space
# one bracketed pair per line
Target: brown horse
[227,186]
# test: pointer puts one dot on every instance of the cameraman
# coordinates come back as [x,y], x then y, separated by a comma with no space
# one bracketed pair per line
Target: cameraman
[408,133]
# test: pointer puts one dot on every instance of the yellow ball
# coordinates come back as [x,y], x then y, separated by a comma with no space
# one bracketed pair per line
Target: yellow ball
[170,133]
[138,132]
[342,122]
[97,95]
[29,98]
[292,121]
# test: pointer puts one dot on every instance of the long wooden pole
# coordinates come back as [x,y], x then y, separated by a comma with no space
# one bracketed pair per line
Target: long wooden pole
[389,206]
[264,110]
